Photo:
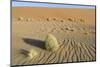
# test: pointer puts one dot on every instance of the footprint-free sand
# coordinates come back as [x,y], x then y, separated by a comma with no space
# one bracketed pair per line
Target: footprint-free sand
[74,29]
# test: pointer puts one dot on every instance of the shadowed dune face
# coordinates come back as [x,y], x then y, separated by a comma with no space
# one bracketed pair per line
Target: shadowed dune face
[74,30]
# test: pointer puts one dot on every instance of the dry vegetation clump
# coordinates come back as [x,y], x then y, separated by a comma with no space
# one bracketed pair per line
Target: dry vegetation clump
[51,43]
[62,20]
[71,30]
[82,20]
[48,19]
[32,53]
[28,19]
[66,28]
[70,19]
[54,19]
[20,18]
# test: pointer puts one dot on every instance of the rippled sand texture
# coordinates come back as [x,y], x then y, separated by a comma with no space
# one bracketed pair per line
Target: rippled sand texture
[73,28]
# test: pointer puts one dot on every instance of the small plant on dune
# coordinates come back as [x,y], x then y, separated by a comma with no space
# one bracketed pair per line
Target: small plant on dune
[82,20]
[20,18]
[32,53]
[70,19]
[62,20]
[28,19]
[51,43]
[48,19]
[54,19]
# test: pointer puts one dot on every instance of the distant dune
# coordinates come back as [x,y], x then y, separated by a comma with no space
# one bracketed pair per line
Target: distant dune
[74,29]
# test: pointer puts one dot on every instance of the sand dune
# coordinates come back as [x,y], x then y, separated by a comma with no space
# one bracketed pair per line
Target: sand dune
[73,28]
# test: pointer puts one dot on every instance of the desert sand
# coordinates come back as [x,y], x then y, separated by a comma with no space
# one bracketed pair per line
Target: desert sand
[74,29]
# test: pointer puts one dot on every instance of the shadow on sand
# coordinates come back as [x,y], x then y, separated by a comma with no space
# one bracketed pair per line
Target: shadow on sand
[34,42]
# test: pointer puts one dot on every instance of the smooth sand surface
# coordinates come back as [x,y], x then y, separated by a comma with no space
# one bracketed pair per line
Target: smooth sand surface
[73,28]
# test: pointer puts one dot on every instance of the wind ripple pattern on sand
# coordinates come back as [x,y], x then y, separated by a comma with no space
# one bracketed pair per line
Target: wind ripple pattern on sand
[75,46]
